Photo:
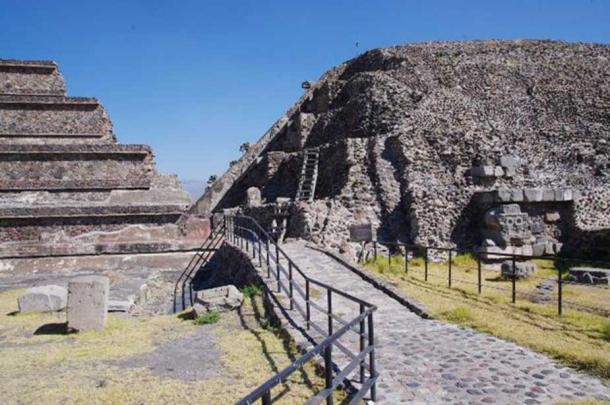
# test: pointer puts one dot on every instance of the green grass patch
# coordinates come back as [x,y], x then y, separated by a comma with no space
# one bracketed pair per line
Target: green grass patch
[252,290]
[457,315]
[576,338]
[207,319]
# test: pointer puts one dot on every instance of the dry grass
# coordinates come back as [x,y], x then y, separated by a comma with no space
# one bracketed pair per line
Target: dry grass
[79,368]
[577,338]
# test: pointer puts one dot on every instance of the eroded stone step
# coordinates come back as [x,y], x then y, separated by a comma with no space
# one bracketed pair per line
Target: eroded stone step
[31,77]
[26,114]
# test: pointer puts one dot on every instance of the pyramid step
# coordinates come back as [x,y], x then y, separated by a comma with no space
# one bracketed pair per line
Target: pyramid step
[52,115]
[30,77]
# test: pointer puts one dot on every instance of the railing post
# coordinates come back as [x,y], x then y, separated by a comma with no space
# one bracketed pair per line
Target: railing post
[389,259]
[449,268]
[290,285]
[514,280]
[307,308]
[559,291]
[328,371]
[375,249]
[267,242]
[260,255]
[277,270]
[328,352]
[267,398]
[406,260]
[479,280]
[372,356]
[329,303]
[426,264]
[362,343]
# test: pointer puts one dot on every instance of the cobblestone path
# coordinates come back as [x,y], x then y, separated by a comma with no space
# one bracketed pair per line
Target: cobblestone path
[430,362]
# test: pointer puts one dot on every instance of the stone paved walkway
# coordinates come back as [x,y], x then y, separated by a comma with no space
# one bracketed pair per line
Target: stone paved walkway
[430,362]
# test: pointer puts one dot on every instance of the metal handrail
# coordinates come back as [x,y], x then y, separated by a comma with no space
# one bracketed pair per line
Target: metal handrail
[201,255]
[238,226]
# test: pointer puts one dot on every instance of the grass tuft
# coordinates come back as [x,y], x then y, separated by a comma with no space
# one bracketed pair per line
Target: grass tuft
[606,332]
[252,290]
[207,319]
[458,315]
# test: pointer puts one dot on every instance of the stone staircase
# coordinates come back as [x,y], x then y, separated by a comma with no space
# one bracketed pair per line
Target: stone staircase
[66,185]
[309,175]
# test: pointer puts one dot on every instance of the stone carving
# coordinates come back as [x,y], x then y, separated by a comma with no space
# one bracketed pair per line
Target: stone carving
[590,275]
[219,299]
[87,303]
[253,198]
[508,225]
[522,269]
[43,299]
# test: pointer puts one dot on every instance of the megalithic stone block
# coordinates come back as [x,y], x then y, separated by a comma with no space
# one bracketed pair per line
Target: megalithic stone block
[87,303]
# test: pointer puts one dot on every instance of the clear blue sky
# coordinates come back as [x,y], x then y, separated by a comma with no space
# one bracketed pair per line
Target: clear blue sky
[195,79]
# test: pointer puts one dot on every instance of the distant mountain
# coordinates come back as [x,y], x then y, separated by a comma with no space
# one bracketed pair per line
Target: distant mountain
[194,187]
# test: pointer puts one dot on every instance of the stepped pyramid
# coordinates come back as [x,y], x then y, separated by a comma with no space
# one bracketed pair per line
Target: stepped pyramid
[67,187]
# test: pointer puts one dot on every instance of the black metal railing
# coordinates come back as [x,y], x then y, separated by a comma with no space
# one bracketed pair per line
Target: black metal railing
[183,289]
[448,255]
[295,287]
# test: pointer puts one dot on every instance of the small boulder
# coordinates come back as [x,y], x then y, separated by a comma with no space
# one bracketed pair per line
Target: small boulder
[522,269]
[220,299]
[43,299]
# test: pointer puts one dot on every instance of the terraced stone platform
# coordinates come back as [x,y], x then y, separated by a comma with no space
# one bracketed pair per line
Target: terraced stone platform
[67,186]
[430,362]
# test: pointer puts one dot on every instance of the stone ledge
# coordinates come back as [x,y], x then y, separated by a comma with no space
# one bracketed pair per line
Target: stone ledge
[530,195]
[75,149]
[91,211]
[28,64]
[44,100]
[73,185]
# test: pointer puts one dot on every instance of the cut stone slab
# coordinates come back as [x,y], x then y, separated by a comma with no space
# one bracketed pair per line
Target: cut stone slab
[120,306]
[590,275]
[43,299]
[87,303]
[522,269]
[220,299]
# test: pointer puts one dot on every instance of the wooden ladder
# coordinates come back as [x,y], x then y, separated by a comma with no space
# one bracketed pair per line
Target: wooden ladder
[309,175]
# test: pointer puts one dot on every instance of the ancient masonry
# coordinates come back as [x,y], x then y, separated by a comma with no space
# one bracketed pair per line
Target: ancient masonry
[67,187]
[499,145]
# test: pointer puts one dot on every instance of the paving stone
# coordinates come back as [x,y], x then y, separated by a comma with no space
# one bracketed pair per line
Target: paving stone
[444,363]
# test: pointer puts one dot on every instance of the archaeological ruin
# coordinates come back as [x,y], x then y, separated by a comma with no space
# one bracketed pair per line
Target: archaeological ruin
[68,188]
[501,146]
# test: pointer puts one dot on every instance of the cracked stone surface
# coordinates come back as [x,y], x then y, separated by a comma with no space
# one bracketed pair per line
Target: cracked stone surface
[427,361]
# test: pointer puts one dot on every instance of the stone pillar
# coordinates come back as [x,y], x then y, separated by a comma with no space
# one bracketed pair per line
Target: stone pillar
[87,303]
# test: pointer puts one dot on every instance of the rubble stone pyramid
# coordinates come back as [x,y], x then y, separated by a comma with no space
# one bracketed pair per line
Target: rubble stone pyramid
[426,140]
[66,185]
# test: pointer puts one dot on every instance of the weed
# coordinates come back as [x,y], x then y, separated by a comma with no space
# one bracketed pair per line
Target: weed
[207,319]
[251,290]
[458,315]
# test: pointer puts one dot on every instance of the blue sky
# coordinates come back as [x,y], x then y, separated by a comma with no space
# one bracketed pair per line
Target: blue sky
[195,79]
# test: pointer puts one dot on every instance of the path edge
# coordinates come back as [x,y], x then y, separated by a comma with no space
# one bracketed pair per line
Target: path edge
[376,281]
